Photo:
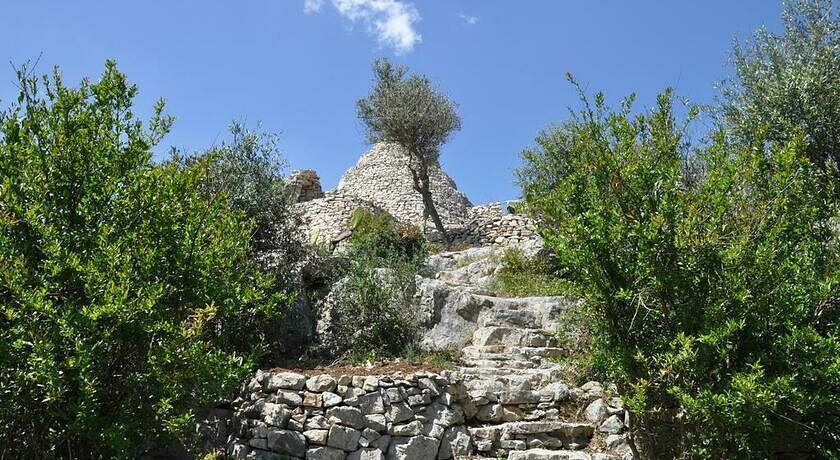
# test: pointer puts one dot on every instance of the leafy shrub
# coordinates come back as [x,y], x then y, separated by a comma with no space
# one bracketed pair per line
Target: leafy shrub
[249,171]
[715,307]
[521,276]
[373,312]
[575,335]
[128,297]
[442,359]
[376,236]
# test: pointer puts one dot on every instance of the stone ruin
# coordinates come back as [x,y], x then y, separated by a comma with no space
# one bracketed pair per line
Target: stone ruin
[304,185]
[381,181]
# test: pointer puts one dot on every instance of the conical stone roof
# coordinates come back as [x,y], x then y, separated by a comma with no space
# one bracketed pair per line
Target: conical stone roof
[381,176]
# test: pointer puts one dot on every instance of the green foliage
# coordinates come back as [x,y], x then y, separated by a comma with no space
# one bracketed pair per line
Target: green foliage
[714,307]
[249,170]
[575,336]
[374,314]
[376,237]
[441,359]
[520,276]
[409,111]
[128,297]
[791,82]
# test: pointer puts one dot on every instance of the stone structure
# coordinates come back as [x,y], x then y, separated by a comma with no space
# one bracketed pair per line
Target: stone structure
[506,397]
[380,180]
[304,185]
[493,225]
[326,219]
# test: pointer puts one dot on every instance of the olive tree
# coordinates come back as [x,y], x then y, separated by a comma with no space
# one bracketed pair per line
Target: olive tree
[790,82]
[408,110]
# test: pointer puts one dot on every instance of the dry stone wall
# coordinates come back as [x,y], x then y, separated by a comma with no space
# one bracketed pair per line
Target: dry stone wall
[326,219]
[412,416]
[304,185]
[493,225]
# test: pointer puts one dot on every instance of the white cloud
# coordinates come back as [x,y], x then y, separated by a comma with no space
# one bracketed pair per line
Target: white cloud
[390,21]
[471,20]
[312,6]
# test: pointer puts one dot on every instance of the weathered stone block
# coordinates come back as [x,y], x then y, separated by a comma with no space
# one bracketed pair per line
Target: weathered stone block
[324,453]
[347,416]
[318,437]
[320,383]
[343,438]
[456,442]
[286,380]
[409,429]
[287,442]
[413,448]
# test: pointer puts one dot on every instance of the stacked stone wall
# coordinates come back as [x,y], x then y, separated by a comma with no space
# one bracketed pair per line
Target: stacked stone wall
[326,219]
[411,416]
[493,225]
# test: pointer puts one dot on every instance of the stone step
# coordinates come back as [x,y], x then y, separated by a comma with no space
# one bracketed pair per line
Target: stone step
[549,372]
[540,435]
[495,380]
[548,311]
[507,361]
[512,337]
[549,454]
[507,317]
[500,352]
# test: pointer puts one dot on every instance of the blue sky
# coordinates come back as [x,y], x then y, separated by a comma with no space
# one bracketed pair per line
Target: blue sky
[298,66]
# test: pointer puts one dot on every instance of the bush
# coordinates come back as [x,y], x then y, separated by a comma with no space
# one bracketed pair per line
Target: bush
[520,276]
[378,237]
[715,307]
[575,335]
[373,315]
[249,171]
[128,297]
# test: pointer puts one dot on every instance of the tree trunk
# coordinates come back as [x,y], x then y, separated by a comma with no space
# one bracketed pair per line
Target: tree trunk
[429,204]
[420,177]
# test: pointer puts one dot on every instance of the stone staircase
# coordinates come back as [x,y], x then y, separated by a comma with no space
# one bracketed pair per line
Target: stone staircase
[521,406]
